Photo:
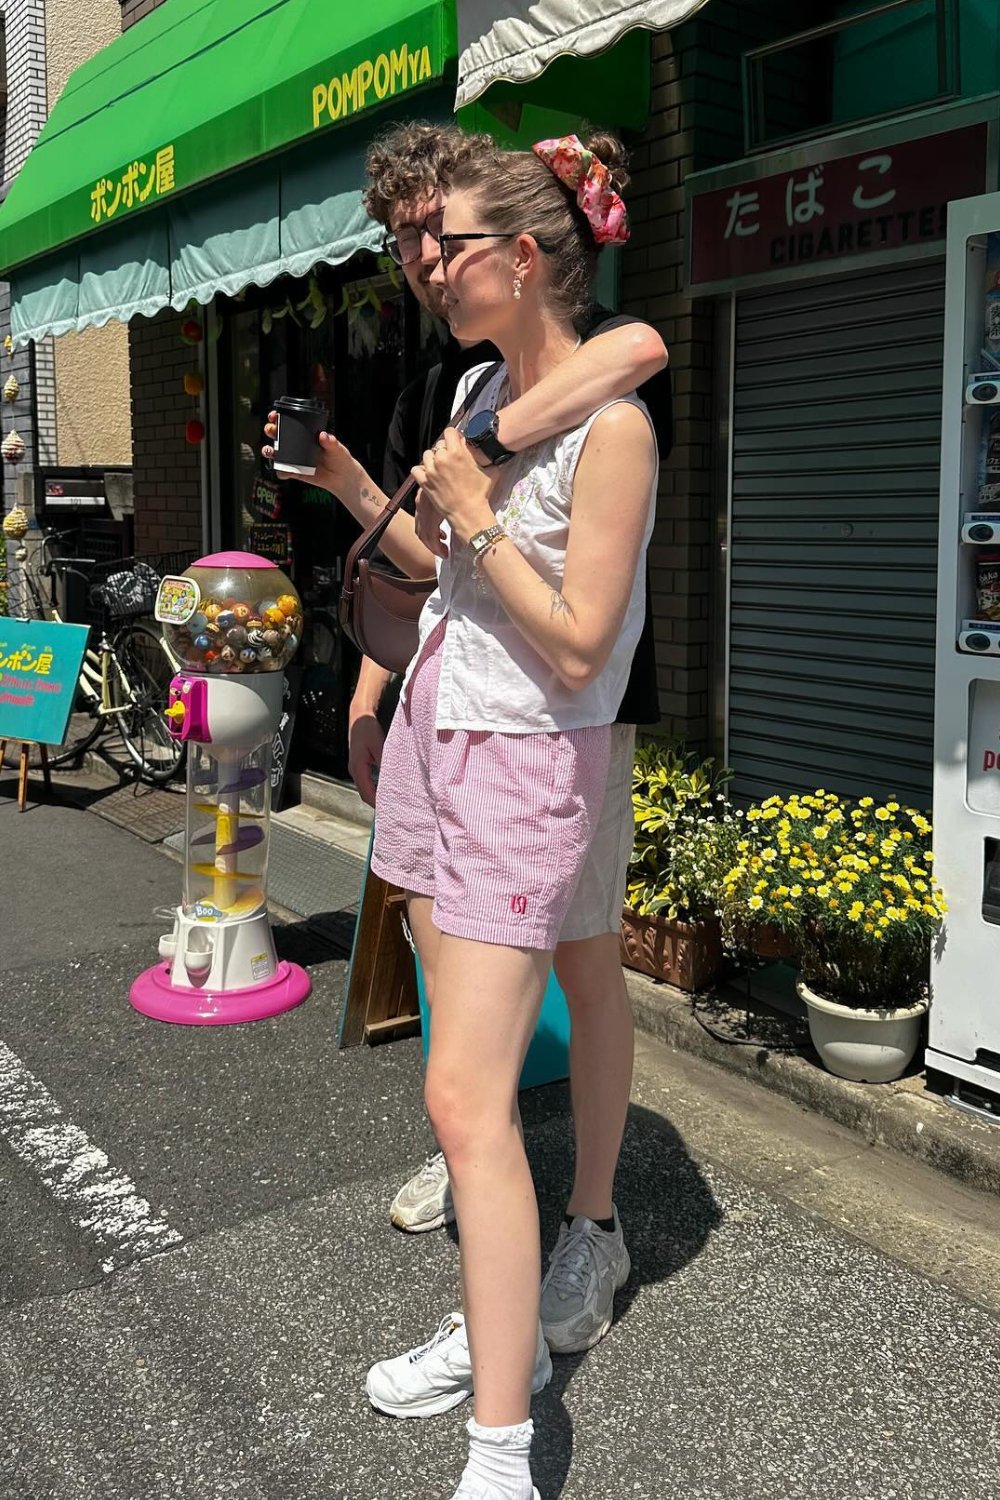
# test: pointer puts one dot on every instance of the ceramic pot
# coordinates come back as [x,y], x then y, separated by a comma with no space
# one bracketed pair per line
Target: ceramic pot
[867,1046]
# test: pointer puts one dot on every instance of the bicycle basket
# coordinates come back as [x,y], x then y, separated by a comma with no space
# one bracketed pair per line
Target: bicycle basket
[126,588]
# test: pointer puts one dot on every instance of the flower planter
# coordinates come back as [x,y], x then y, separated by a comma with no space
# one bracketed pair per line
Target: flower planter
[687,955]
[765,941]
[867,1046]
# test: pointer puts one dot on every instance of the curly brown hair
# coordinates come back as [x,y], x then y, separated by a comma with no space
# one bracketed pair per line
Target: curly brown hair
[411,161]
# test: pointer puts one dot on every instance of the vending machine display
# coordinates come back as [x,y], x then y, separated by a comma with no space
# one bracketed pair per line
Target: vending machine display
[965,973]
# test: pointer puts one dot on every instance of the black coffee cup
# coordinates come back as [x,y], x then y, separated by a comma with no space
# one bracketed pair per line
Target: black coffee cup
[296,442]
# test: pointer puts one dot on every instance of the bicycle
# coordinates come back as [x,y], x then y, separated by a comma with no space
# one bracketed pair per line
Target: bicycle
[125,678]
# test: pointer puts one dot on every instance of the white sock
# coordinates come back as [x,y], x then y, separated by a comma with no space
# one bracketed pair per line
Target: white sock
[499,1460]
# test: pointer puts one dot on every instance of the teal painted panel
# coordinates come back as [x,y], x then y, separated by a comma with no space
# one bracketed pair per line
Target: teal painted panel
[39,667]
[548,1055]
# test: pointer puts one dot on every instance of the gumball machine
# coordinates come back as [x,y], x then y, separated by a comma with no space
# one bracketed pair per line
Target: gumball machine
[233,620]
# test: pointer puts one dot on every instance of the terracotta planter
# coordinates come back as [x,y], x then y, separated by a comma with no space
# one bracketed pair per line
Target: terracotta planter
[867,1046]
[685,954]
[765,941]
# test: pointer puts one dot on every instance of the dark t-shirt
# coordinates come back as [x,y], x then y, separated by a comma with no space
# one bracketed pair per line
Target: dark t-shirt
[422,413]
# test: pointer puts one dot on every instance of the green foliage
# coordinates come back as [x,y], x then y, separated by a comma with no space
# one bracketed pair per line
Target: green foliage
[682,832]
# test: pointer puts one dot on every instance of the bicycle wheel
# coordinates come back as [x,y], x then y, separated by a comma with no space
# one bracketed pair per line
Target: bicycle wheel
[140,679]
[85,726]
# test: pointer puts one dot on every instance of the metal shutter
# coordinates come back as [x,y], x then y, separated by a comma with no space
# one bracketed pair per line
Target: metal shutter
[836,442]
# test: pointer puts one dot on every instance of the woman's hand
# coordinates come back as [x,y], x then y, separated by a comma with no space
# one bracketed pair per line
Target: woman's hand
[453,488]
[335,469]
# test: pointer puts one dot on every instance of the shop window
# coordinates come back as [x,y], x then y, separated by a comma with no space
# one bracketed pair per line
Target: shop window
[347,336]
[863,62]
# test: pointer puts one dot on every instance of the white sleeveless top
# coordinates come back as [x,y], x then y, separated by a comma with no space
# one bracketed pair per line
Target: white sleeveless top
[492,678]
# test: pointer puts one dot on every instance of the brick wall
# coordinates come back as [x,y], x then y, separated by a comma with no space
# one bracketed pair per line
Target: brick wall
[24,29]
[134,10]
[166,469]
[695,122]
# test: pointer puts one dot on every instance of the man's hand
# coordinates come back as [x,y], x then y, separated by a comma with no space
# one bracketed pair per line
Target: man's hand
[365,741]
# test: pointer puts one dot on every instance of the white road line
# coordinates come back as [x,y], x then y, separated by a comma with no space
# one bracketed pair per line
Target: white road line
[104,1203]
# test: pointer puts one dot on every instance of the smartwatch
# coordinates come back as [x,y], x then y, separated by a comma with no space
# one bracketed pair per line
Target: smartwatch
[481,431]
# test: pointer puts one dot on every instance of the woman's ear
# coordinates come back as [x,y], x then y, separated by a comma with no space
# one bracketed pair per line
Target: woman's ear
[526,253]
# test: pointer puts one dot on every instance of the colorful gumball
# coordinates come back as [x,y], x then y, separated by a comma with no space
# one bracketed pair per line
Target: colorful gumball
[236,636]
[202,642]
[273,639]
[198,621]
[242,613]
[227,654]
[248,655]
[211,610]
[288,604]
[273,616]
[225,619]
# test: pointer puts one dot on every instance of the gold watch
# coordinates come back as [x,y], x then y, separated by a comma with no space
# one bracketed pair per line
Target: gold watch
[484,540]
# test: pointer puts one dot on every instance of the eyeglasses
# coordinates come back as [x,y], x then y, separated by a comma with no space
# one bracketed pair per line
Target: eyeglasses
[451,243]
[406,244]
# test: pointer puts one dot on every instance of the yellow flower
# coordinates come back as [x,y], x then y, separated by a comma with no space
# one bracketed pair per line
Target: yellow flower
[796,891]
[821,832]
[883,814]
[756,902]
[856,910]
[892,806]
[867,802]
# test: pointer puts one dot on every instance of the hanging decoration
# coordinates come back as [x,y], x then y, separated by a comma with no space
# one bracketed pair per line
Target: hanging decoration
[8,344]
[15,524]
[12,447]
[193,334]
[11,390]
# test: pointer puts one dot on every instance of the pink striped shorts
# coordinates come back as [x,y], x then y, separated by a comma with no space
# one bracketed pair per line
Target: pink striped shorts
[495,827]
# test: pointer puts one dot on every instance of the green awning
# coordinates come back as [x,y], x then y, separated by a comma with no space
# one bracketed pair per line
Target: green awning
[300,209]
[200,88]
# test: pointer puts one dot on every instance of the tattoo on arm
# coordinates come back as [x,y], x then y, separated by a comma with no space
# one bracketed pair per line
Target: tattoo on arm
[558,605]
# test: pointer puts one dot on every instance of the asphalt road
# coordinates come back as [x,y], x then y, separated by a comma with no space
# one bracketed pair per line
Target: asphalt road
[196,1265]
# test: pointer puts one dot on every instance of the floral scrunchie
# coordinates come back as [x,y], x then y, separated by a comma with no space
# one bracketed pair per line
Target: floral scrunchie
[581,170]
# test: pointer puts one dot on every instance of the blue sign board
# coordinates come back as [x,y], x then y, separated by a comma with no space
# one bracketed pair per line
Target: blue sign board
[39,666]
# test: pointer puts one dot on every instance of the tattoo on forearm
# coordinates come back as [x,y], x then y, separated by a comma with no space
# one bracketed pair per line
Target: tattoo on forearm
[558,605]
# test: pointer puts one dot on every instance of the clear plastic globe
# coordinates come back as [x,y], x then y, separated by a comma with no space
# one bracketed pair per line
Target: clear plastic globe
[247,616]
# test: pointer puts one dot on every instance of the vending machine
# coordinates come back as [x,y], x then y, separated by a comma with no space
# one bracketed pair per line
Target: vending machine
[964,1039]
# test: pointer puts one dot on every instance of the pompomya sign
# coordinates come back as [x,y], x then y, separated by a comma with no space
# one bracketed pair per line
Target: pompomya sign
[372,79]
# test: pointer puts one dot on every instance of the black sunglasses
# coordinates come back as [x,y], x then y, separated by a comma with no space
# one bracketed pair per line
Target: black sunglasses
[406,244]
[450,243]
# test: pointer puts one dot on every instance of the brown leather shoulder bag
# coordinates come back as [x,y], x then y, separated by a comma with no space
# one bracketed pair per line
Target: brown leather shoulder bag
[379,610]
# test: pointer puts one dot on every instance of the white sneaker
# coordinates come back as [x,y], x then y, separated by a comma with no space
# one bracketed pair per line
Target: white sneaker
[471,1489]
[425,1201]
[437,1375]
[586,1268]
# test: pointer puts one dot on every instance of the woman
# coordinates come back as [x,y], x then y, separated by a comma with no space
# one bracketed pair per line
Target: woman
[495,768]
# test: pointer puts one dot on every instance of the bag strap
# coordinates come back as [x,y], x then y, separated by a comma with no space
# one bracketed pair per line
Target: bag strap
[369,540]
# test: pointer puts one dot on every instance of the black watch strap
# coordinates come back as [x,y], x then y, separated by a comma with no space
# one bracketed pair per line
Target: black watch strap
[486,440]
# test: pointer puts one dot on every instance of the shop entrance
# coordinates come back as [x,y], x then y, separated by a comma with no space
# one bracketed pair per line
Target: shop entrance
[347,336]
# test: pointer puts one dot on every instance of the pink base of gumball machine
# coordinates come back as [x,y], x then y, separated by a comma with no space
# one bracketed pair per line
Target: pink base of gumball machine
[154,995]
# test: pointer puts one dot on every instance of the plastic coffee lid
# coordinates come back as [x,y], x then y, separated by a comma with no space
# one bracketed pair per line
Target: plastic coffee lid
[302,404]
